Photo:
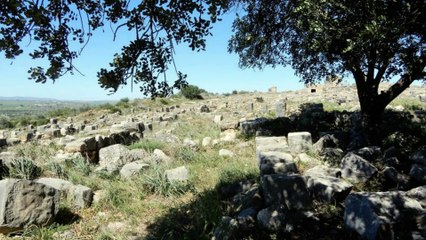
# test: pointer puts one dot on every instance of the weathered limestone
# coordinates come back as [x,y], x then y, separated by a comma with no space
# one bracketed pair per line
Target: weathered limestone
[160,157]
[206,141]
[299,141]
[250,127]
[226,153]
[290,190]
[225,229]
[113,157]
[81,196]
[417,157]
[328,188]
[373,215]
[177,174]
[271,219]
[133,168]
[127,126]
[357,169]
[82,145]
[326,141]
[418,172]
[276,162]
[24,203]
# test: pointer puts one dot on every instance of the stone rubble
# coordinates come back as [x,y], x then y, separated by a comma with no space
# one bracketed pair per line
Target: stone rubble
[294,171]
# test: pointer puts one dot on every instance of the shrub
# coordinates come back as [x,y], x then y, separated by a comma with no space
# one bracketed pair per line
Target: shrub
[80,165]
[185,154]
[35,151]
[164,101]
[125,100]
[57,169]
[5,122]
[24,169]
[148,145]
[111,108]
[155,181]
[124,103]
[192,92]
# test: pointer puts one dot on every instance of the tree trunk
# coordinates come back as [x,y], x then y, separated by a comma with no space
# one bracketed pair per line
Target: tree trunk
[373,104]
[372,110]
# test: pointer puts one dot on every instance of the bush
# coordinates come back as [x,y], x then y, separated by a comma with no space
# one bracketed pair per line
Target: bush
[24,169]
[148,145]
[124,103]
[111,108]
[5,122]
[192,92]
[155,181]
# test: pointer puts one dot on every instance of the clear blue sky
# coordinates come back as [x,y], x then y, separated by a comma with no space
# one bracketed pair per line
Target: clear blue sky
[214,70]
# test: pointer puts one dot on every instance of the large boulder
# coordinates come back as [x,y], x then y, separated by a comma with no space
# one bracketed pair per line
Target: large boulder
[332,156]
[271,219]
[289,190]
[249,127]
[133,168]
[138,127]
[24,203]
[418,172]
[276,162]
[383,215]
[124,137]
[417,157]
[326,141]
[299,141]
[113,157]
[328,188]
[81,196]
[356,168]
[82,145]
[369,153]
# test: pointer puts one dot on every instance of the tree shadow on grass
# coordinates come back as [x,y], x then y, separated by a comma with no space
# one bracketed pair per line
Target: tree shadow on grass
[197,219]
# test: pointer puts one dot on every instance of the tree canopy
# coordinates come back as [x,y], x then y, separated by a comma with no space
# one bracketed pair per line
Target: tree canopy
[53,26]
[374,41]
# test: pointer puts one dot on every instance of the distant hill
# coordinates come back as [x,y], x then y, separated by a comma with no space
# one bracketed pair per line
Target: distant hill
[17,98]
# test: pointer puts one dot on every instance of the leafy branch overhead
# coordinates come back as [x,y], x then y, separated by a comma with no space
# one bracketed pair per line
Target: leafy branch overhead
[54,26]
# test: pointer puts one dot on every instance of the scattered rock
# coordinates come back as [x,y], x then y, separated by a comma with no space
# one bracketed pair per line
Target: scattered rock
[225,229]
[225,153]
[418,172]
[81,196]
[357,169]
[113,157]
[376,215]
[206,141]
[417,157]
[300,141]
[290,190]
[271,219]
[327,188]
[177,174]
[161,157]
[369,153]
[133,168]
[24,203]
[229,135]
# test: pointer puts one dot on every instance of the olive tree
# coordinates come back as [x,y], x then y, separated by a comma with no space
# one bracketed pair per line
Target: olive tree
[373,41]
